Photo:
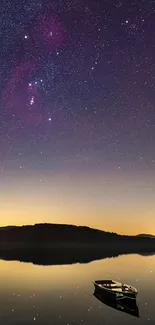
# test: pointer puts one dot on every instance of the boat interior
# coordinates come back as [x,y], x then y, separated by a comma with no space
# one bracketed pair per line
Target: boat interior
[114,286]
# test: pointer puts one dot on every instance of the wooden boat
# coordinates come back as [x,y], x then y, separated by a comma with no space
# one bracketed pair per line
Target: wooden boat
[126,305]
[115,290]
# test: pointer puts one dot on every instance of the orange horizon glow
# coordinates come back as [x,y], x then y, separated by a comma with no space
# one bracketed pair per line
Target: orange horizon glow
[124,230]
[110,202]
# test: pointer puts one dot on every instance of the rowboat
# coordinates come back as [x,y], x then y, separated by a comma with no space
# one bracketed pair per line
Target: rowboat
[115,290]
[126,305]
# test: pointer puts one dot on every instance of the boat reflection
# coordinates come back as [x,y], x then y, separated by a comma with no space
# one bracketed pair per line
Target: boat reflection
[125,305]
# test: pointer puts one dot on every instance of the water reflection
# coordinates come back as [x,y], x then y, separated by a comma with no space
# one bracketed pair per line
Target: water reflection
[126,305]
[63,294]
[62,255]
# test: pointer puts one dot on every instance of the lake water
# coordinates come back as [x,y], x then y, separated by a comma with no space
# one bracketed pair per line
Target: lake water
[64,294]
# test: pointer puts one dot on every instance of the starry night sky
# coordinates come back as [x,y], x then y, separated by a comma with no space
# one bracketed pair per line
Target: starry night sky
[77,116]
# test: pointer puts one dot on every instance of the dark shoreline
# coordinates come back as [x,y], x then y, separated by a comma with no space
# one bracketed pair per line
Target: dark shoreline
[51,244]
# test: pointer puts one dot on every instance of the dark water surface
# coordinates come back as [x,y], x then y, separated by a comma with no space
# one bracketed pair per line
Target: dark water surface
[45,295]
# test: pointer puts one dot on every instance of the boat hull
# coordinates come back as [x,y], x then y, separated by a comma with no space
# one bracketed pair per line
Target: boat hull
[115,295]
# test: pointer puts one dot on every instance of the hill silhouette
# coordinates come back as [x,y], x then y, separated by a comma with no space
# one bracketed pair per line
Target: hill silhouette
[56,234]
[53,233]
[146,235]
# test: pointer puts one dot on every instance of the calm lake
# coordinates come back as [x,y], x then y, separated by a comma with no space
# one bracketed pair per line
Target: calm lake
[64,294]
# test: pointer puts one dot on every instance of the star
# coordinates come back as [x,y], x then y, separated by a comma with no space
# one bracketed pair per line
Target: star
[77,94]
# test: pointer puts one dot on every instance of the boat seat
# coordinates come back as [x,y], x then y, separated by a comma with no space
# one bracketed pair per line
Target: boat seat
[110,286]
